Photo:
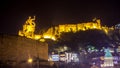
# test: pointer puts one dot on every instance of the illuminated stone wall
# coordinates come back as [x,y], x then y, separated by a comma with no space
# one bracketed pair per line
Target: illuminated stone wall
[21,49]
[78,27]
[96,24]
[52,32]
[72,28]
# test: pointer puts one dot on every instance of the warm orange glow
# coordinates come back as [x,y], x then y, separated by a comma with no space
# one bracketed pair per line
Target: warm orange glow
[30,60]
[29,29]
[37,37]
[42,40]
[49,37]
[73,27]
[53,38]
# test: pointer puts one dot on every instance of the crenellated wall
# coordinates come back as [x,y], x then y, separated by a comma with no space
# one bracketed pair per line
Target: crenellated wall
[52,32]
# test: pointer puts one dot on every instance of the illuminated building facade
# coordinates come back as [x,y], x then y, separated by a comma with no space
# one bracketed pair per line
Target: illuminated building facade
[51,33]
[108,59]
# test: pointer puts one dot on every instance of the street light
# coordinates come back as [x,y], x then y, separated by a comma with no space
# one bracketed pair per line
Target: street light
[30,60]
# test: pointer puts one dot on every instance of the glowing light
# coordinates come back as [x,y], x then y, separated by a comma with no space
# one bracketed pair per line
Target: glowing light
[53,38]
[49,37]
[94,27]
[106,31]
[30,60]
[37,37]
[55,57]
[42,40]
[29,29]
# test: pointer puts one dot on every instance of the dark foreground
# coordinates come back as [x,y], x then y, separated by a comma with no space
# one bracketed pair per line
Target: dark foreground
[55,65]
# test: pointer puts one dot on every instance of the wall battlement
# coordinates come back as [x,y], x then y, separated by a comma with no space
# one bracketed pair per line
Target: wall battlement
[29,28]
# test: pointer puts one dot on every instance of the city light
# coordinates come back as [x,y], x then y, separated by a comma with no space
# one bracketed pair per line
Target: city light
[30,60]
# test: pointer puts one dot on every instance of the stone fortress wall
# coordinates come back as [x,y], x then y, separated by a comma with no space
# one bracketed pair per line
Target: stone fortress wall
[16,48]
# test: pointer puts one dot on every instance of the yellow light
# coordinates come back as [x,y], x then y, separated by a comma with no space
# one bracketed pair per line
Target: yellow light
[30,60]
[46,36]
[94,26]
[49,37]
[29,29]
[106,31]
[53,38]
[37,37]
[42,40]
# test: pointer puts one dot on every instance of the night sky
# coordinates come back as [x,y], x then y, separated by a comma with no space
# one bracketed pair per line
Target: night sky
[13,14]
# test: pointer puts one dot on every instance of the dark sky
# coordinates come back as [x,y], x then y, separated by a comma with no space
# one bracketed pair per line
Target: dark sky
[13,14]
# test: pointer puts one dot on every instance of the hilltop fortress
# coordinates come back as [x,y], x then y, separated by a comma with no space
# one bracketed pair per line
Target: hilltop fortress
[29,29]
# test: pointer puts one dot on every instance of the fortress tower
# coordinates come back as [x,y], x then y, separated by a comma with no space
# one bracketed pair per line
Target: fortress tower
[28,28]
